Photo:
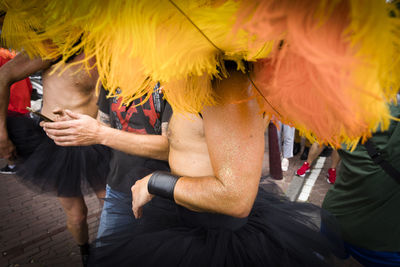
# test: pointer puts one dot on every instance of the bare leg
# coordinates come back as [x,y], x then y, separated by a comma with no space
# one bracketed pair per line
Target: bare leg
[335,159]
[315,150]
[76,211]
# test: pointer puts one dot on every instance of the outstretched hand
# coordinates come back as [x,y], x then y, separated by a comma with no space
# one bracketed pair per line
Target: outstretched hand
[73,129]
[140,196]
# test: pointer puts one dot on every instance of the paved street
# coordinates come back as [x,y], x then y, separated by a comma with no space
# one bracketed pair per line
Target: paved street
[33,230]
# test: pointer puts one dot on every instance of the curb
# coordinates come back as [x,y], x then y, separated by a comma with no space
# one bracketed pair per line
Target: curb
[300,187]
[295,187]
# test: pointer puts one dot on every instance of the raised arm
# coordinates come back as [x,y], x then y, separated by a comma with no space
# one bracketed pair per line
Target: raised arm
[14,70]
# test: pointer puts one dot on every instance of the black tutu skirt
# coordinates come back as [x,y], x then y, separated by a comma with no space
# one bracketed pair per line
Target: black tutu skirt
[47,168]
[276,233]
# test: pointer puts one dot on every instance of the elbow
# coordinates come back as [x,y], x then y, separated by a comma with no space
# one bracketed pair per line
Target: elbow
[162,154]
[5,80]
[240,199]
[242,211]
[165,155]
[240,205]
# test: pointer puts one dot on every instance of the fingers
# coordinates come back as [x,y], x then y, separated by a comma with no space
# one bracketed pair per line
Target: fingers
[137,208]
[137,211]
[59,132]
[60,115]
[71,114]
[59,125]
[72,143]
[58,111]
[64,115]
[63,139]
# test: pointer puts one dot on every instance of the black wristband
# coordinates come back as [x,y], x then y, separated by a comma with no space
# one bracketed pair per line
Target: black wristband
[162,184]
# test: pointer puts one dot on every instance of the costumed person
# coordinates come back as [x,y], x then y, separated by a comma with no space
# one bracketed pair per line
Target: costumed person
[208,210]
[20,98]
[366,196]
[42,165]
[137,134]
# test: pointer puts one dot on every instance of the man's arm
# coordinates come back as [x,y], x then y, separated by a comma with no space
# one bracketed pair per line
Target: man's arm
[83,130]
[14,70]
[234,132]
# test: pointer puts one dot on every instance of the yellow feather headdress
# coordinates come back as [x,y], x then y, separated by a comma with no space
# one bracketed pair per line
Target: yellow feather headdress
[350,56]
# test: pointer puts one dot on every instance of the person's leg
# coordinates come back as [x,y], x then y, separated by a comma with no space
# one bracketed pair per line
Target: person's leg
[288,138]
[287,146]
[315,150]
[306,150]
[331,177]
[9,168]
[335,159]
[307,143]
[114,216]
[76,212]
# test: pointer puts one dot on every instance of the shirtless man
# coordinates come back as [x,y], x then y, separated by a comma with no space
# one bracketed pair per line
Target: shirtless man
[73,89]
[207,211]
[137,136]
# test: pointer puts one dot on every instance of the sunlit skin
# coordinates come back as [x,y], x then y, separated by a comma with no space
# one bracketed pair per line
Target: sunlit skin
[73,89]
[219,157]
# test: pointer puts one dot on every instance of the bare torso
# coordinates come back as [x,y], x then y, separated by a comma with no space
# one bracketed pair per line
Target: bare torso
[188,154]
[73,89]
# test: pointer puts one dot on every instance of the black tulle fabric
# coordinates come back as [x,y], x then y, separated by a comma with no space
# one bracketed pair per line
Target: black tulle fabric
[276,233]
[47,168]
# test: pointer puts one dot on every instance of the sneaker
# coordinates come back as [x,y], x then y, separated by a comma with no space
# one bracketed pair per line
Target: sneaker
[304,155]
[8,170]
[305,168]
[331,176]
[285,164]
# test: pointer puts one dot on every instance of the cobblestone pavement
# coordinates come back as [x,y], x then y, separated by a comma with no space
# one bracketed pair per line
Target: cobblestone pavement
[33,230]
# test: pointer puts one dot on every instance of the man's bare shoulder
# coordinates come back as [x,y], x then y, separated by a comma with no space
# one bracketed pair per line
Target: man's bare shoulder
[232,90]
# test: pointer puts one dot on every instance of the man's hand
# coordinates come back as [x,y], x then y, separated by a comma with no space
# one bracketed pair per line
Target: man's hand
[140,196]
[73,129]
[7,148]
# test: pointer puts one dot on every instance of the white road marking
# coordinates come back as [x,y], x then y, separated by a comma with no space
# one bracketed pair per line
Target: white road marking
[312,177]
